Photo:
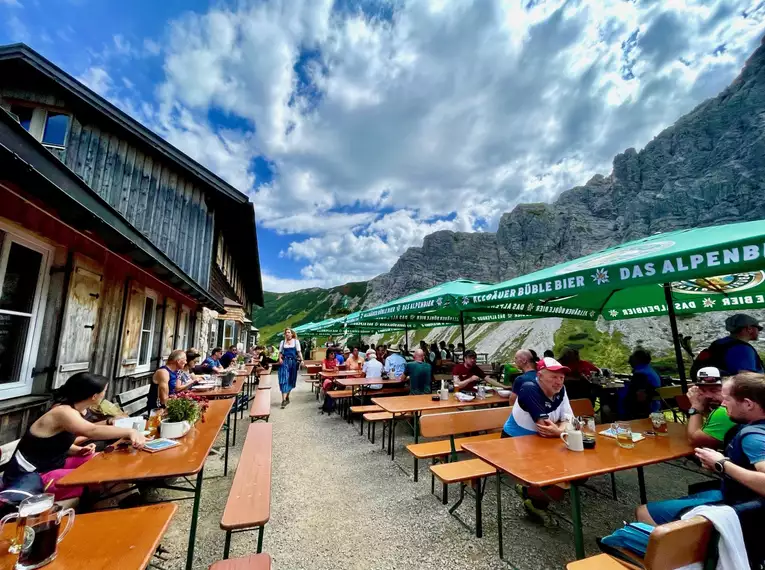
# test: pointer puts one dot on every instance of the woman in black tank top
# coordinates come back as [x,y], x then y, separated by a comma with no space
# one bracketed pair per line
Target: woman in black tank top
[49,449]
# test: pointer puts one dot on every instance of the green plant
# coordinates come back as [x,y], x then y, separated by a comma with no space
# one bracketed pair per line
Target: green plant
[182,409]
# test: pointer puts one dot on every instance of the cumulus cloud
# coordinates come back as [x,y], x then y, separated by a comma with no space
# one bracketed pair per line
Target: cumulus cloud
[98,79]
[449,113]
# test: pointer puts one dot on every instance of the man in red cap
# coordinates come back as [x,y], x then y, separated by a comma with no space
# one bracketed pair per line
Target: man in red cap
[542,408]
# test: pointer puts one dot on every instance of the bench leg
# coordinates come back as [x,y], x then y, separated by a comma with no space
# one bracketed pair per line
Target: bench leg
[576,519]
[361,424]
[456,505]
[613,485]
[373,431]
[416,423]
[432,478]
[444,493]
[260,539]
[499,515]
[392,439]
[478,487]
[227,545]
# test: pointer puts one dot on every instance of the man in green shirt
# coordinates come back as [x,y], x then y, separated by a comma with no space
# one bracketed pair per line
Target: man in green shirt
[419,374]
[708,422]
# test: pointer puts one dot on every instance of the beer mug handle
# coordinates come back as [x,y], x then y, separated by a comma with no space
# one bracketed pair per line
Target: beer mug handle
[8,518]
[70,521]
[564,437]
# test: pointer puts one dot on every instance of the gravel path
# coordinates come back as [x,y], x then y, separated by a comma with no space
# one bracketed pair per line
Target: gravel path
[339,502]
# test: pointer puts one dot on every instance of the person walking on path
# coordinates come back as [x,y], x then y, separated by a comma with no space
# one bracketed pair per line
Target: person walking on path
[290,358]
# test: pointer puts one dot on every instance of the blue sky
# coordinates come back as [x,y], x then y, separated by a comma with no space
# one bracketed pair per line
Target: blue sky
[358,127]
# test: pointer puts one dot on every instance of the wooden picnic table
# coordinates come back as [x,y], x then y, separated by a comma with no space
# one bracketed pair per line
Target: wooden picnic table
[416,404]
[232,391]
[340,373]
[539,462]
[186,459]
[123,539]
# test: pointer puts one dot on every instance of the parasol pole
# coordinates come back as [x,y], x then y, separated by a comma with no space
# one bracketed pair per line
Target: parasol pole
[675,336]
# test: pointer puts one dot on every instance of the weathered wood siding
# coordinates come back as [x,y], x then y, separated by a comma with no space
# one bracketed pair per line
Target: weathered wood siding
[143,186]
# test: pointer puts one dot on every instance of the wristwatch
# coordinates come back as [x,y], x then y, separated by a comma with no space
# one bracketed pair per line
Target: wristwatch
[720,465]
[693,412]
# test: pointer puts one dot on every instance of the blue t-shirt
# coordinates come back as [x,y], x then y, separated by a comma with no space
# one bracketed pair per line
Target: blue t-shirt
[653,379]
[395,365]
[741,356]
[340,358]
[528,376]
[211,362]
[531,404]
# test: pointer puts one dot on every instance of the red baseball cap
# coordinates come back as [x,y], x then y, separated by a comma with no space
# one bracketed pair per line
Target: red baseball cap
[548,363]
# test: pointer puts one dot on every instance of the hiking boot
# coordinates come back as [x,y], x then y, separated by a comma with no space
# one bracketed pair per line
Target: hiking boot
[540,516]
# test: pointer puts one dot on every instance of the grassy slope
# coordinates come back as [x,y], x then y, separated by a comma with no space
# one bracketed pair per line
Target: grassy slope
[282,310]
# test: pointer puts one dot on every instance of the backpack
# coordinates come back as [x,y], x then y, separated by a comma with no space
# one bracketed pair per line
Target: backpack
[714,355]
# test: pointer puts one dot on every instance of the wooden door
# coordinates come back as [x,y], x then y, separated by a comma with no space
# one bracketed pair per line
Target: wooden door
[83,301]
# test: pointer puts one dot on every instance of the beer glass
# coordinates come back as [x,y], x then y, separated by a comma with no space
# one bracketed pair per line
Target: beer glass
[38,521]
[623,432]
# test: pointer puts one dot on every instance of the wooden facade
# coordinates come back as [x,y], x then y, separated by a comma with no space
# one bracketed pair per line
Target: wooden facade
[114,303]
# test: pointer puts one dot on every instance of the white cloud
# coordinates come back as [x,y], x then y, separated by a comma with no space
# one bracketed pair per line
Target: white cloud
[466,107]
[98,79]
[17,30]
[14,3]
[282,285]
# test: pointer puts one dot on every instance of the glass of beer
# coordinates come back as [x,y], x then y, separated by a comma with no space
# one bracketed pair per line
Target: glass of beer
[659,423]
[38,523]
[623,432]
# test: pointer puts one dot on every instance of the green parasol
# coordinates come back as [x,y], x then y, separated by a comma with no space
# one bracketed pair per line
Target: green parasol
[682,272]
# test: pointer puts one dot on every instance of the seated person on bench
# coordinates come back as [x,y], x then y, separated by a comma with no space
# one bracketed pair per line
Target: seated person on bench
[708,420]
[541,409]
[742,467]
[373,368]
[467,375]
[419,374]
[329,364]
[54,445]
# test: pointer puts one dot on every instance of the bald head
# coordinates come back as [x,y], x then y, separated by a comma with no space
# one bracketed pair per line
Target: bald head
[524,360]
[419,355]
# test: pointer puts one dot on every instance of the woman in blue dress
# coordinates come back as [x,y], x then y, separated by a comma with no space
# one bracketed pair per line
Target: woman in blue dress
[290,358]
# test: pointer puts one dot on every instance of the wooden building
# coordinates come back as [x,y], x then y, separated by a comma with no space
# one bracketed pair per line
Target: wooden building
[115,247]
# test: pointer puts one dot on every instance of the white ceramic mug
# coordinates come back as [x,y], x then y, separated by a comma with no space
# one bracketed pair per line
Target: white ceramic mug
[573,440]
[139,424]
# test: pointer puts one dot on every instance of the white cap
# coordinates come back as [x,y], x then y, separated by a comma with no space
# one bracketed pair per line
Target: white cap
[709,375]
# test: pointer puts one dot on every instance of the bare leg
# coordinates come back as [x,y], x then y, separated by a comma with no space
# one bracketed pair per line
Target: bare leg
[642,515]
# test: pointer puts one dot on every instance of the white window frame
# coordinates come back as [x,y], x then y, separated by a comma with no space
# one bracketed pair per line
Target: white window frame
[23,387]
[38,121]
[182,340]
[225,344]
[139,368]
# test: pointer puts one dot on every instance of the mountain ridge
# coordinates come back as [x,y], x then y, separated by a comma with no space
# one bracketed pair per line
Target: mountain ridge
[707,168]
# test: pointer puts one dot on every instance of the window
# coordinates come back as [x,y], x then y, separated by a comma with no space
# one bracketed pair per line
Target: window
[182,342]
[56,125]
[48,127]
[147,332]
[23,281]
[228,334]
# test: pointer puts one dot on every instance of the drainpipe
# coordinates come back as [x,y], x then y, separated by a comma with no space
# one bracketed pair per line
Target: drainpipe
[161,332]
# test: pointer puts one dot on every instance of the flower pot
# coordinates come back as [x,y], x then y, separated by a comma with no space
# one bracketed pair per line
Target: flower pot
[174,430]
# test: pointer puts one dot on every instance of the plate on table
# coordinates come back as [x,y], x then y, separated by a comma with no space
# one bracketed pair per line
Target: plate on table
[462,397]
[202,387]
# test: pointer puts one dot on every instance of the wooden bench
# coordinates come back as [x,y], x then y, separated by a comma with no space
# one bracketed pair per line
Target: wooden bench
[254,562]
[249,502]
[364,410]
[473,471]
[261,406]
[672,545]
[134,402]
[372,419]
[264,383]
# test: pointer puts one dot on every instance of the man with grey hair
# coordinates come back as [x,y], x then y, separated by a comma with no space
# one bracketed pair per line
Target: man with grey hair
[419,374]
[164,383]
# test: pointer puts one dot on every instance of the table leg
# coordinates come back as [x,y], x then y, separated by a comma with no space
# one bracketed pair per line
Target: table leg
[393,438]
[194,518]
[576,519]
[416,440]
[499,514]
[233,438]
[228,437]
[641,484]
